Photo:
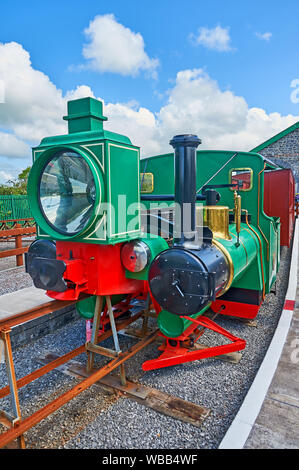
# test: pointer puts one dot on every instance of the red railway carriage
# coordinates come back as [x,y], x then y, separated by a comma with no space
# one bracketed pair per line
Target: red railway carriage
[279,201]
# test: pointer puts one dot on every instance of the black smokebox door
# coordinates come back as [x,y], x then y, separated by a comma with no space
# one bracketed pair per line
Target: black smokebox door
[179,282]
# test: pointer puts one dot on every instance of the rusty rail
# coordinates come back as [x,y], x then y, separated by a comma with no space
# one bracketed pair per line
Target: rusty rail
[53,406]
[65,358]
[19,426]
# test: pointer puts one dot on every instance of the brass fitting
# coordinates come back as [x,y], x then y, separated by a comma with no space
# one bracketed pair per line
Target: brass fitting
[216,218]
[237,211]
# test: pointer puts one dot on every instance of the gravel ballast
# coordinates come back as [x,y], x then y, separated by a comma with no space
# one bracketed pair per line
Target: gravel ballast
[13,278]
[97,419]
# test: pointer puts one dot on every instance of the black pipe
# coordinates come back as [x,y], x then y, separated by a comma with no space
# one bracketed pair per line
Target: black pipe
[185,187]
[166,197]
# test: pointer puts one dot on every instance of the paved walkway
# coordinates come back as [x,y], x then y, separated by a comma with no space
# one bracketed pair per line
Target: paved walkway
[269,415]
[277,425]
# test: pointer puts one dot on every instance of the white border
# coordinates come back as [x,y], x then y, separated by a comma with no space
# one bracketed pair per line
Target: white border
[238,432]
[103,218]
[35,152]
[86,147]
[111,234]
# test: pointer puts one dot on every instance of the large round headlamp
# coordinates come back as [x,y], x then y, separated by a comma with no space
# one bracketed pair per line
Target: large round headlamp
[135,255]
[66,192]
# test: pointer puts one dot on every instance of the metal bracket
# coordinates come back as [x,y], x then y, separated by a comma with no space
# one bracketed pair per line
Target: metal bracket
[14,397]
[91,346]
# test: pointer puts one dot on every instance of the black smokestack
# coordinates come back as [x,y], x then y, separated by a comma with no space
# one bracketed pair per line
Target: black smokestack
[185,187]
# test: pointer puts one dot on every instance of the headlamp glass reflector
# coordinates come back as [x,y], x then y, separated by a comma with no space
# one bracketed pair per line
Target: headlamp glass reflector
[67,192]
[135,255]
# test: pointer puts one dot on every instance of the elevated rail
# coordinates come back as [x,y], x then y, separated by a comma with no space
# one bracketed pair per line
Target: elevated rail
[17,426]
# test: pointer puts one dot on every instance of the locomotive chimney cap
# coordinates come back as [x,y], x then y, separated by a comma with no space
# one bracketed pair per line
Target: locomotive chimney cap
[185,140]
[85,114]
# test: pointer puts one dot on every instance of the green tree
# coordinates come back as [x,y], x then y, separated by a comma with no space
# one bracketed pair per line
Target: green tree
[17,186]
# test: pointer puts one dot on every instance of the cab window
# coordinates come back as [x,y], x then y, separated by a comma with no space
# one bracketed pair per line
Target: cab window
[243,177]
[146,182]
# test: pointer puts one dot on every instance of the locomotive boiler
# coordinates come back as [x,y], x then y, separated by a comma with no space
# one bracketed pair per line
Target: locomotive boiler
[185,229]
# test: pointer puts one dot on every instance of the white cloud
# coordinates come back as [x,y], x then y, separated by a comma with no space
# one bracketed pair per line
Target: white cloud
[139,124]
[222,119]
[31,99]
[5,177]
[11,146]
[33,106]
[264,36]
[114,48]
[217,38]
[196,104]
[295,93]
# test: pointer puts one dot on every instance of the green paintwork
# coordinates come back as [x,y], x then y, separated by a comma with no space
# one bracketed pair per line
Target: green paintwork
[114,162]
[208,164]
[245,258]
[85,115]
[86,307]
[172,325]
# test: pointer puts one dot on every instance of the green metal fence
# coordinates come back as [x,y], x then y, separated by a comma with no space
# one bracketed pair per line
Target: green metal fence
[14,207]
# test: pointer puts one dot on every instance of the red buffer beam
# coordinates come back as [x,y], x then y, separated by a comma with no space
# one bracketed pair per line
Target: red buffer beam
[174,355]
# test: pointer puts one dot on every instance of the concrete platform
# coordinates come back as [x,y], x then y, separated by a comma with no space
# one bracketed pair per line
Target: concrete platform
[28,298]
[269,415]
[277,425]
[21,300]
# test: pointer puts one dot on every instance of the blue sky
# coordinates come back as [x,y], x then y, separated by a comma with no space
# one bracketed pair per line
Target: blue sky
[253,54]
